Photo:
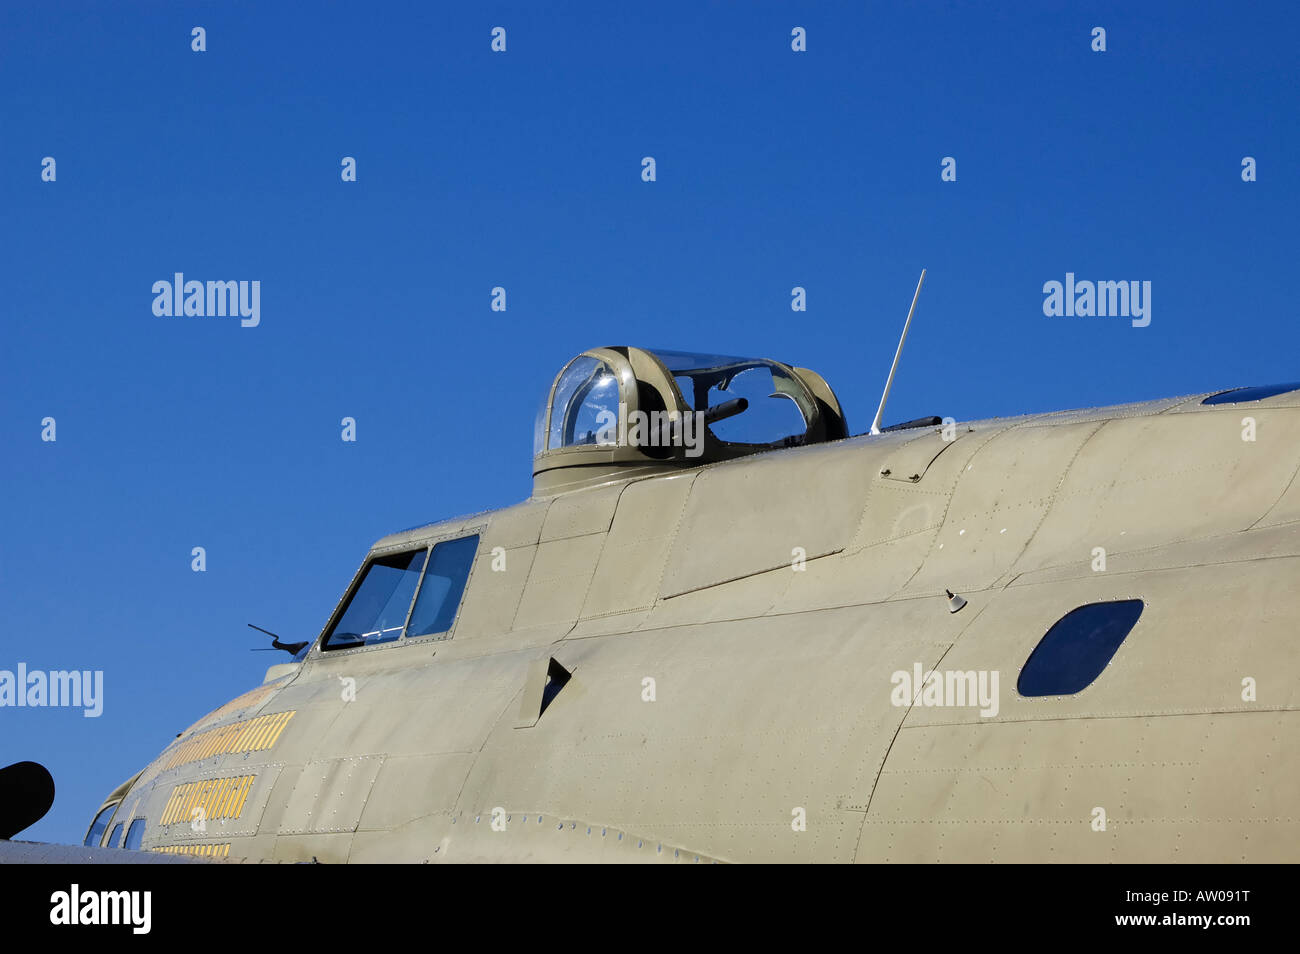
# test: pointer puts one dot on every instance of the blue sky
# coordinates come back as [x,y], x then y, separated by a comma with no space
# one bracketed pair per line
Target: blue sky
[523,170]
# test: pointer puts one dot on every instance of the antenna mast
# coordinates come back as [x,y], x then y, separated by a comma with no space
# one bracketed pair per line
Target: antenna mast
[875,424]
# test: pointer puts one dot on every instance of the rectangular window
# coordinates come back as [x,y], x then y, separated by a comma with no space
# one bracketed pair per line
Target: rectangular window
[379,605]
[134,835]
[98,825]
[444,584]
[386,596]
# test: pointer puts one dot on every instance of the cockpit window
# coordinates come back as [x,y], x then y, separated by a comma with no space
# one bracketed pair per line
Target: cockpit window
[399,596]
[585,407]
[98,825]
[377,611]
[444,583]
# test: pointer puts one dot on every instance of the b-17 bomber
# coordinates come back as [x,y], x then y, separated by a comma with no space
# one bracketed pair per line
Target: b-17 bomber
[724,629]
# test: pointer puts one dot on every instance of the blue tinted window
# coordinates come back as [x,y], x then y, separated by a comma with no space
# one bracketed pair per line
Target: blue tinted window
[1239,395]
[98,825]
[444,583]
[115,839]
[1077,648]
[769,415]
[134,835]
[687,361]
[587,389]
[377,610]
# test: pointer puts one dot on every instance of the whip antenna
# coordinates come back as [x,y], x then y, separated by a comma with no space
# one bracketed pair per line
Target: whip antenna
[889,382]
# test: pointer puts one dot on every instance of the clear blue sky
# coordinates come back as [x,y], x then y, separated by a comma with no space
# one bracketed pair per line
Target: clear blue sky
[523,169]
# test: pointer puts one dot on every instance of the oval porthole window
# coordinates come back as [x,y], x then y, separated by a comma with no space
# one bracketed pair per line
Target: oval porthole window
[1077,648]
[1244,395]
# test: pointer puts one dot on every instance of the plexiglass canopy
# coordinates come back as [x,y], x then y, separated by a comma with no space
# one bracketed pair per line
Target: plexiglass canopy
[620,407]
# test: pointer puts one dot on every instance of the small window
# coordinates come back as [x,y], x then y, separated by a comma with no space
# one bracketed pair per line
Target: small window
[1243,395]
[1077,648]
[379,605]
[98,825]
[134,835]
[443,586]
[115,839]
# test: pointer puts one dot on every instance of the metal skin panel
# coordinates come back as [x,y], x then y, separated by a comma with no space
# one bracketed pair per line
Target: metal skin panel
[239,707]
[263,842]
[579,514]
[741,599]
[896,509]
[632,562]
[1206,788]
[558,580]
[998,505]
[330,796]
[910,462]
[433,531]
[773,685]
[326,849]
[530,836]
[1203,630]
[1152,481]
[1111,413]
[1260,543]
[509,641]
[517,526]
[744,519]
[410,788]
[490,605]
[813,738]
[405,711]
[607,625]
[1287,508]
[866,575]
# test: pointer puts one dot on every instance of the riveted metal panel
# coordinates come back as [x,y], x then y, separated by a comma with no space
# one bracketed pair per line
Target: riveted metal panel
[581,513]
[748,518]
[330,795]
[635,555]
